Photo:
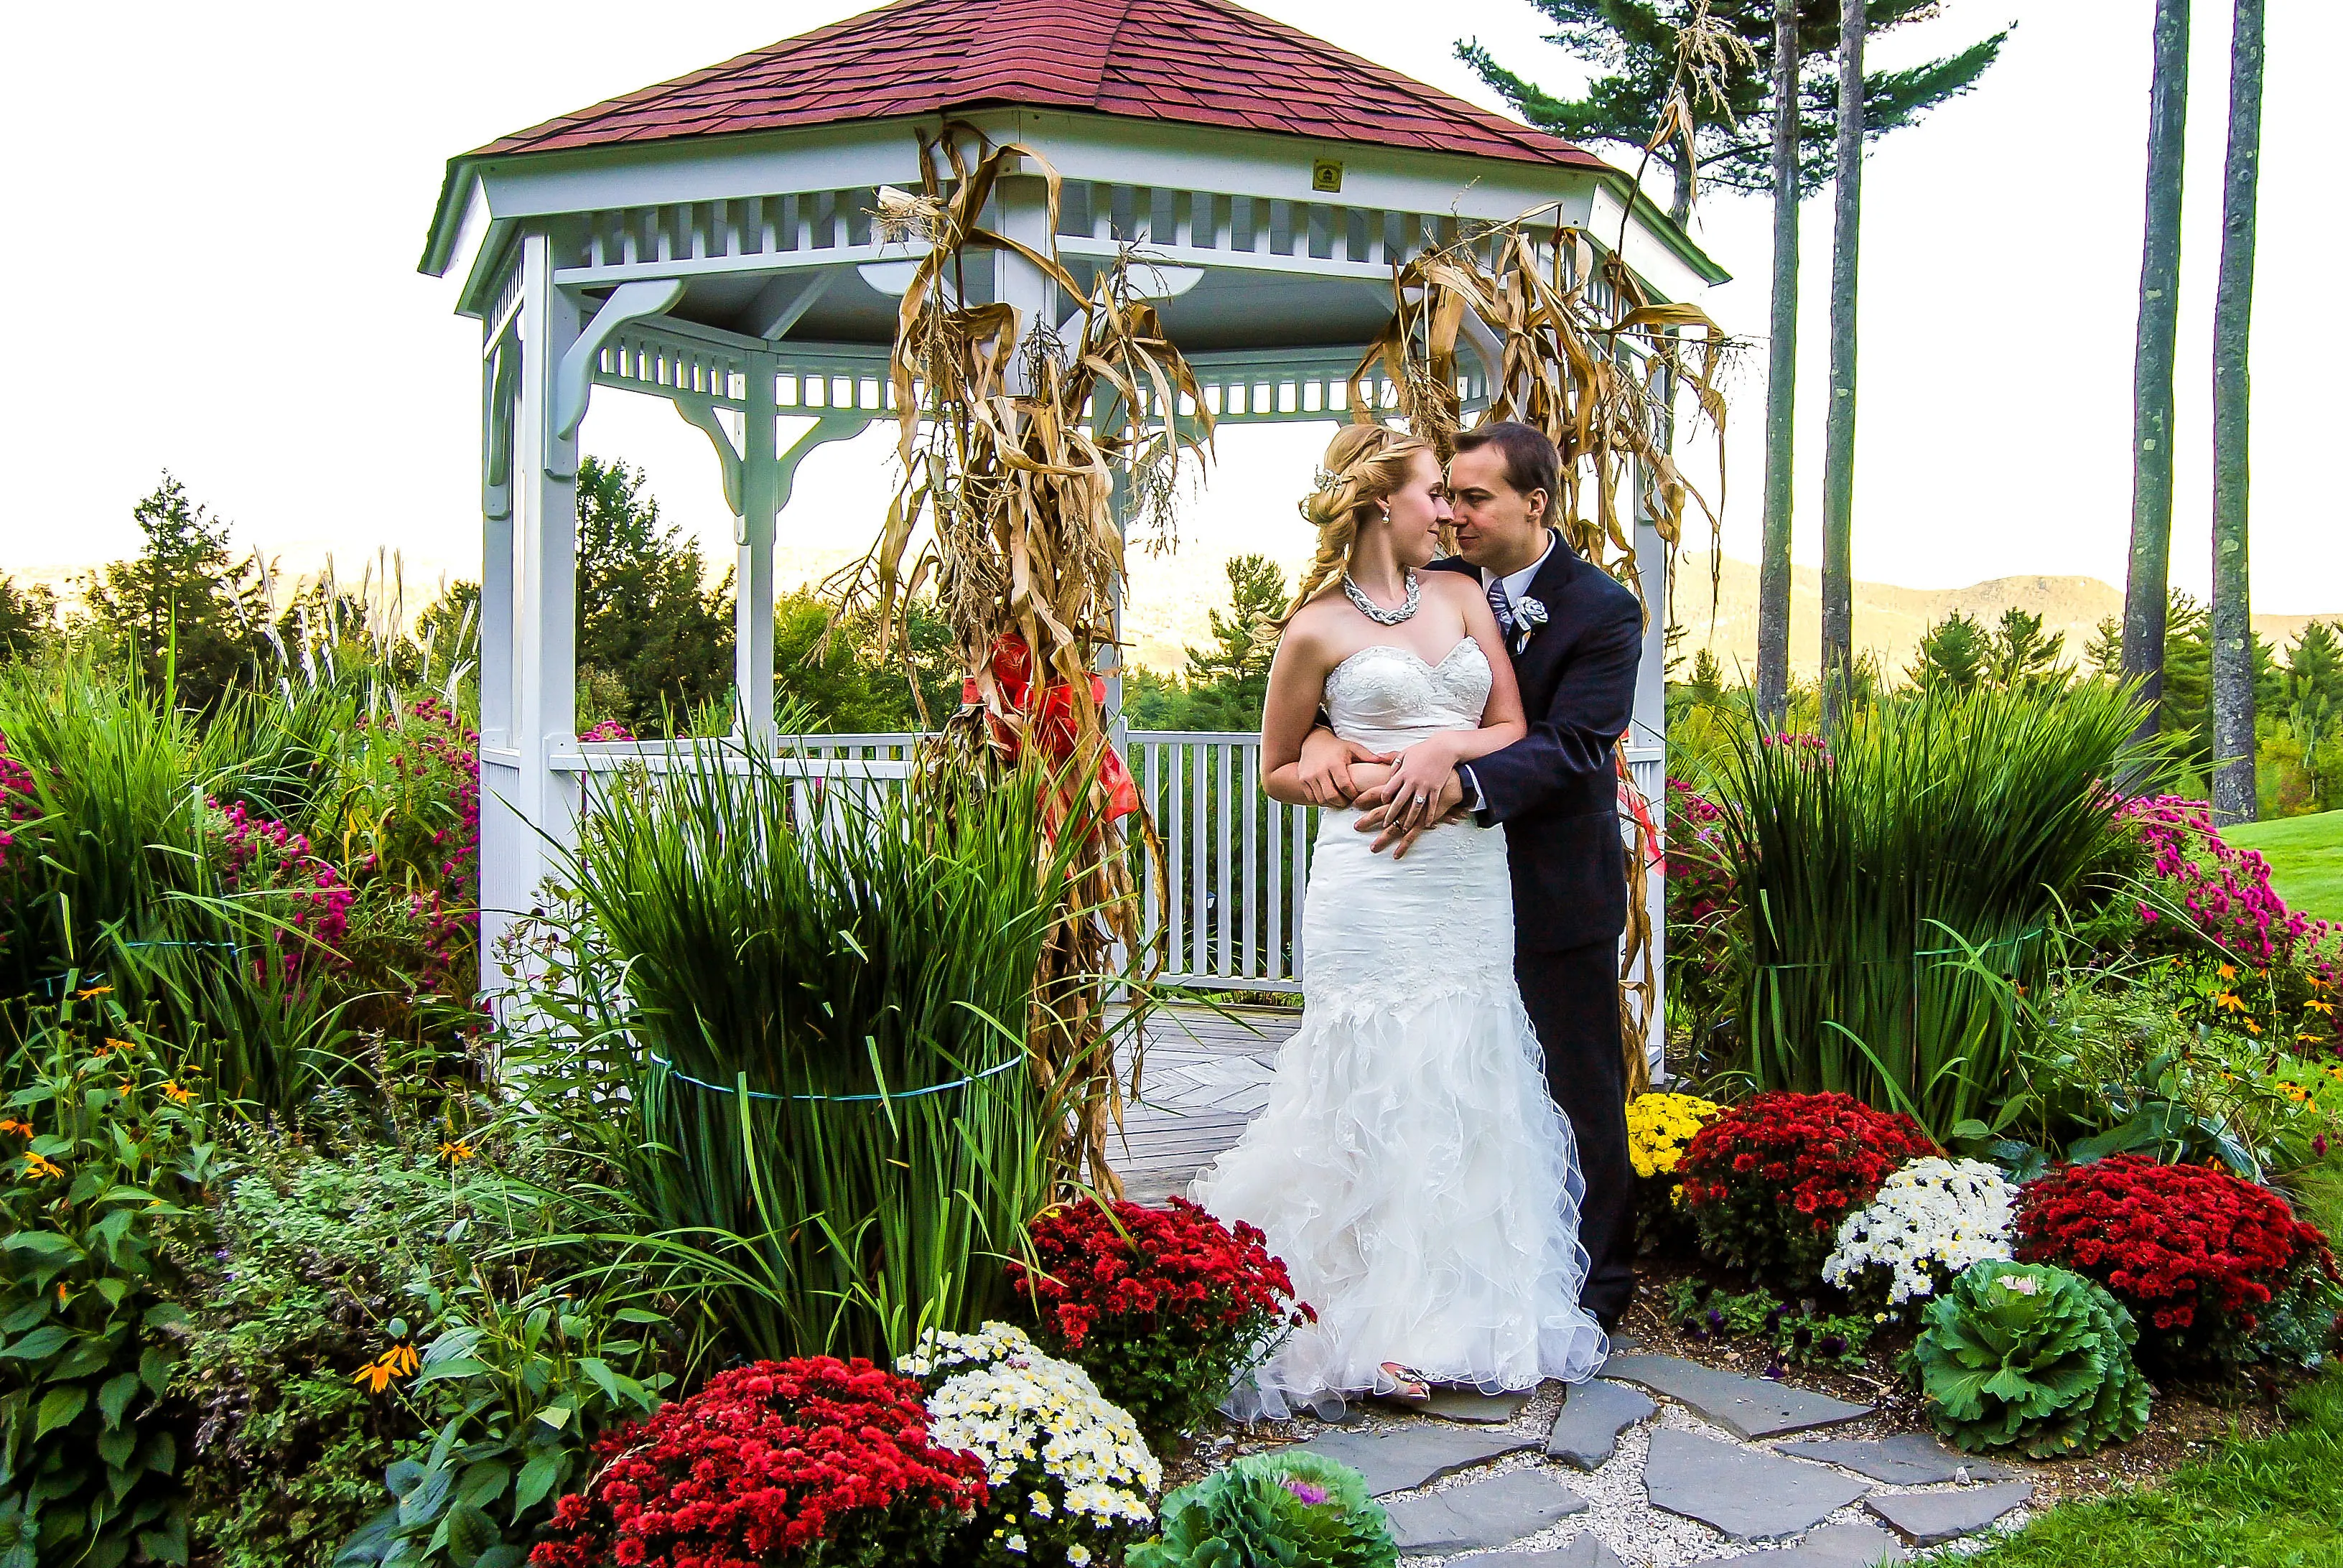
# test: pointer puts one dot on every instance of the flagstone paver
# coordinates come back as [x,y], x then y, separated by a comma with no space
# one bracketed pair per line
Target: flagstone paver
[1906,1459]
[1931,1517]
[1746,1407]
[1582,1552]
[1586,1432]
[1748,1494]
[1474,1408]
[1409,1456]
[1855,1544]
[1483,1514]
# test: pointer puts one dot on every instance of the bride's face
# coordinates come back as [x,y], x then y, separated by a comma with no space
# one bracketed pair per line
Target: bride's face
[1418,510]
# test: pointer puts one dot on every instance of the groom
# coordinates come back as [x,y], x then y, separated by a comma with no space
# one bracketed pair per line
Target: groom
[1575,636]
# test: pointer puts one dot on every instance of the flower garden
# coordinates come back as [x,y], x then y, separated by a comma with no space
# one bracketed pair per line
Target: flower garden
[752,1237]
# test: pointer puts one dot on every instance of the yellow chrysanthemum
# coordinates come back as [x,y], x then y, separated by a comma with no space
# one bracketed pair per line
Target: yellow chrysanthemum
[1660,1125]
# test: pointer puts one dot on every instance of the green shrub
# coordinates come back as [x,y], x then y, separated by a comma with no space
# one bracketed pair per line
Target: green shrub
[106,1144]
[806,1070]
[2030,1356]
[1895,879]
[1288,1510]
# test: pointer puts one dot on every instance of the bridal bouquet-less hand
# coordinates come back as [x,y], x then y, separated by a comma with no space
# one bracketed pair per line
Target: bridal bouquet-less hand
[1932,1219]
[1072,1482]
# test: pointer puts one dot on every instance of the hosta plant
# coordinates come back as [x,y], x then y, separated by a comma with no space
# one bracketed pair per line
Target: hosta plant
[1071,1482]
[107,1149]
[1288,1510]
[1933,1219]
[2023,1355]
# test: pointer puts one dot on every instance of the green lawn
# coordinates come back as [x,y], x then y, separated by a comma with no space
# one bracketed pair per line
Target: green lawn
[2275,1502]
[2306,857]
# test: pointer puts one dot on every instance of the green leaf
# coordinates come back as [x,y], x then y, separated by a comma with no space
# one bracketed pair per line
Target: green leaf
[469,1533]
[1969,1127]
[46,1245]
[114,1398]
[423,1505]
[115,1447]
[637,1315]
[169,1544]
[404,1475]
[38,1345]
[539,1476]
[155,1364]
[554,1415]
[164,1315]
[58,1408]
[483,1482]
[503,1554]
[25,1316]
[599,1370]
[160,1451]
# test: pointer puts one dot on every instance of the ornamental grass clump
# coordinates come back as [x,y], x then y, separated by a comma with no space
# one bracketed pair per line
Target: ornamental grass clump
[783,1464]
[1072,1483]
[2199,1256]
[1768,1182]
[1288,1510]
[1165,1308]
[2020,1355]
[1931,1220]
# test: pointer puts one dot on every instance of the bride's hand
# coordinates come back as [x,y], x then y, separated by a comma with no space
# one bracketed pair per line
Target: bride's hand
[1412,795]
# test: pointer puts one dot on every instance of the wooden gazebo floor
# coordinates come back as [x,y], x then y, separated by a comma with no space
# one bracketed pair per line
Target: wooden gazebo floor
[1199,1092]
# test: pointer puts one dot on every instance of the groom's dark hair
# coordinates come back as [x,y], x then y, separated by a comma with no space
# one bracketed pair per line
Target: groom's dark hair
[1530,461]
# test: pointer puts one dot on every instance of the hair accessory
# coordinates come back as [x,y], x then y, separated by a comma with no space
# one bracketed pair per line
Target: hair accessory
[1326,479]
[1377,613]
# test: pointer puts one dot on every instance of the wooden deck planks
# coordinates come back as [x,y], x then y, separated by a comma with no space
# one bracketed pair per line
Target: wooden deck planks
[1163,1145]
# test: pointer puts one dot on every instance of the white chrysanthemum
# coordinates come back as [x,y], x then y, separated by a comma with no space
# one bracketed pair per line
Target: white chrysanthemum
[1932,1215]
[1016,1408]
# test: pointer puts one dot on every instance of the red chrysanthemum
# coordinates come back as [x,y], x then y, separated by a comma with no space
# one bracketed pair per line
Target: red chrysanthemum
[2196,1254]
[775,1464]
[1768,1181]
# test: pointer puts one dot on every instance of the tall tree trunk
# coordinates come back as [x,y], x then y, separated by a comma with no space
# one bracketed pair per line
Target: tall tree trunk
[1781,383]
[1838,441]
[2233,316]
[2146,584]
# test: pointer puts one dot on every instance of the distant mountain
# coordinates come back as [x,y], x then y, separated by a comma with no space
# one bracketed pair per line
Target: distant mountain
[1890,620]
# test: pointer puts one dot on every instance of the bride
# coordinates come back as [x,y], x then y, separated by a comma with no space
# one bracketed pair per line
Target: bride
[1410,1166]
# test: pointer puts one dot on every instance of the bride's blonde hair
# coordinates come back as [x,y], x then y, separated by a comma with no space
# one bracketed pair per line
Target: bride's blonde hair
[1363,464]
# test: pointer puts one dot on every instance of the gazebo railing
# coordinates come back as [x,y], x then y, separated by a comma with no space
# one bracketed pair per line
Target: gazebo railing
[1234,865]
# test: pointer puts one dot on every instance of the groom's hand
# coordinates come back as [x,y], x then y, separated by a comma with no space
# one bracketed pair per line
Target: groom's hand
[1325,772]
[1398,824]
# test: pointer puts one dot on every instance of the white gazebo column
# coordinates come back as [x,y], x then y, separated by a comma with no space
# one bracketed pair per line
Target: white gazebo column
[753,603]
[545,600]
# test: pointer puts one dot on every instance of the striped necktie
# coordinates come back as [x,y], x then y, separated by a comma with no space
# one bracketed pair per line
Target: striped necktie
[1502,605]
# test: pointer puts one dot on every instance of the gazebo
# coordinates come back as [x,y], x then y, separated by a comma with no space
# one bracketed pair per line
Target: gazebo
[710,241]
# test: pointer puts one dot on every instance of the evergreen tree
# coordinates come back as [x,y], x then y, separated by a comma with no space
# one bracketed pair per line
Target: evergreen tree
[2317,660]
[2104,652]
[2022,655]
[1245,638]
[1954,655]
[189,616]
[652,638]
[2186,709]
[1708,678]
[28,619]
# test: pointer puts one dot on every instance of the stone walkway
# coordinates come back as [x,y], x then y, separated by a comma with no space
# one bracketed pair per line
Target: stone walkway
[1658,1462]
[1663,1462]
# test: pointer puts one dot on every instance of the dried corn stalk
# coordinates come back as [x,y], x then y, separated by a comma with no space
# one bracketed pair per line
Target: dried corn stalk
[1013,443]
[1573,345]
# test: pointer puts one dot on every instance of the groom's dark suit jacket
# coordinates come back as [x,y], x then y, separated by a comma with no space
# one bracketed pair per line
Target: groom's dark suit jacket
[1556,790]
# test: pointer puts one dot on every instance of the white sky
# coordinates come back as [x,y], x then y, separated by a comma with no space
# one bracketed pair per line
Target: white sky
[214,213]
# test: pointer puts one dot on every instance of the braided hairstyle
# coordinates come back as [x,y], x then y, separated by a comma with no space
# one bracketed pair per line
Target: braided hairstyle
[1363,464]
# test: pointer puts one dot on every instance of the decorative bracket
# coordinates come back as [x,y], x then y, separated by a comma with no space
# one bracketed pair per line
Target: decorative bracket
[504,379]
[573,379]
[699,413]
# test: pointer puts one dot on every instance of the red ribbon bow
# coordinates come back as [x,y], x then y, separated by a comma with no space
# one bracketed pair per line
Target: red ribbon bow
[1049,718]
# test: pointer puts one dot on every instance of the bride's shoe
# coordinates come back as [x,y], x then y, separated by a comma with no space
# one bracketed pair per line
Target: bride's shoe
[1409,1387]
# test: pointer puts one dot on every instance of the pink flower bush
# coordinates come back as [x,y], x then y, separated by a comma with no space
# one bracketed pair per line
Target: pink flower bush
[432,752]
[608,730]
[2223,892]
[263,853]
[16,797]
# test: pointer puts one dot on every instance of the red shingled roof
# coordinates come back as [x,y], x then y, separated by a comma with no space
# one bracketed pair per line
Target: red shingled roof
[1191,62]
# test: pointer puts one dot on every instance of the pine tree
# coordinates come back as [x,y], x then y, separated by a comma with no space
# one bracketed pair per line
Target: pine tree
[2104,652]
[189,615]
[1245,638]
[1956,655]
[2022,656]
[1708,678]
[2186,709]
[2317,660]
[652,638]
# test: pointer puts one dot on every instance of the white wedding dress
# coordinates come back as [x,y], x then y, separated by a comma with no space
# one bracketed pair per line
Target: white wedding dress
[1410,1166]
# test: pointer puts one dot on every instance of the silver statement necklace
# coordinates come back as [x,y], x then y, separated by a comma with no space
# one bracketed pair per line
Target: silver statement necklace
[1377,613]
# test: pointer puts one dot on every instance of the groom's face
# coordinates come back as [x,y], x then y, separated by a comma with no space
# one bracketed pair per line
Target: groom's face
[1497,526]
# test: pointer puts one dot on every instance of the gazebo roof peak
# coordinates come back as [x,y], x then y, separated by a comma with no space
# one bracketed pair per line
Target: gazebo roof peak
[1182,62]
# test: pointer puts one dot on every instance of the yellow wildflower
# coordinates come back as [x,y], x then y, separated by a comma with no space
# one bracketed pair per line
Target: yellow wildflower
[35,1165]
[2228,1001]
[122,1044]
[177,1095]
[455,1150]
[400,1360]
[2228,971]
[1659,1126]
[84,995]
[13,1125]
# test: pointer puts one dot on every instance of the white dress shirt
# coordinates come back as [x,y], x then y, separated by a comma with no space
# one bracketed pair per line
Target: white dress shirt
[1517,585]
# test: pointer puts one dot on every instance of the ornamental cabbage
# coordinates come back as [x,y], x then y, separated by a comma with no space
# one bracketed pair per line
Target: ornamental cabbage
[1932,1219]
[2029,1356]
[1072,1481]
[1291,1510]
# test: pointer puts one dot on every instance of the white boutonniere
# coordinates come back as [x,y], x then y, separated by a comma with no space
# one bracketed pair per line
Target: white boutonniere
[1528,615]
